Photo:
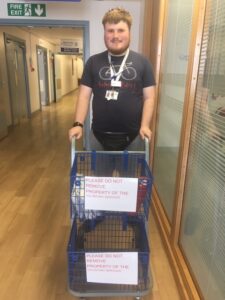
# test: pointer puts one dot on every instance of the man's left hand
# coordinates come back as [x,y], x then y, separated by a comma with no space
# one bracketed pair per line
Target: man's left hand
[145,132]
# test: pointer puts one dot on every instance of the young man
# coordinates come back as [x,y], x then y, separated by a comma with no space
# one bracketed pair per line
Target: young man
[122,83]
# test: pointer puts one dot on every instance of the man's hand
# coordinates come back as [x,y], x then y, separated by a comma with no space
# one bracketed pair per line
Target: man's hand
[75,132]
[145,132]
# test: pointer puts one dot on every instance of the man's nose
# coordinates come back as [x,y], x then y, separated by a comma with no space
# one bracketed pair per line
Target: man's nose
[115,34]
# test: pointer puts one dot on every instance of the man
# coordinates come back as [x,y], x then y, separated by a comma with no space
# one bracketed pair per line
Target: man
[122,84]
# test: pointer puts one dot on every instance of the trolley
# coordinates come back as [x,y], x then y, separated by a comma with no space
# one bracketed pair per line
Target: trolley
[108,249]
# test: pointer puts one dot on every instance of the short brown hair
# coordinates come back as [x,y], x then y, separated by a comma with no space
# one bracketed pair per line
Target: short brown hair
[115,15]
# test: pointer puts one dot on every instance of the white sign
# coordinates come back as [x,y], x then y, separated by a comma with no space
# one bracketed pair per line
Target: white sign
[70,46]
[111,193]
[66,43]
[112,267]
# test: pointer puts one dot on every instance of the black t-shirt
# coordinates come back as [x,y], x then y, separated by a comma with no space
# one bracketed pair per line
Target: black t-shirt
[123,114]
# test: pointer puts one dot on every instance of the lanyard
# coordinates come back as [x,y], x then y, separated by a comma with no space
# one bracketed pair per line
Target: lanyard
[116,75]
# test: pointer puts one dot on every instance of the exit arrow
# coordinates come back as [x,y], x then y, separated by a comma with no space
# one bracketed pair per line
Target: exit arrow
[39,10]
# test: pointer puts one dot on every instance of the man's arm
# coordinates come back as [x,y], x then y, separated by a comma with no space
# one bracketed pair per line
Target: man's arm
[81,111]
[148,107]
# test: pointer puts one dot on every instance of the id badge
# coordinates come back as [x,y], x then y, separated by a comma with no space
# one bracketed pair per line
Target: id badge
[111,95]
[115,83]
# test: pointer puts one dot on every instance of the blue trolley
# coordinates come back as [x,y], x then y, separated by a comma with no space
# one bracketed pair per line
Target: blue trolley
[106,233]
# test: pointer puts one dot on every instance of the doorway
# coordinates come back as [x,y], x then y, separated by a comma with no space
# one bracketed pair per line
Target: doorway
[17,78]
[42,61]
[52,77]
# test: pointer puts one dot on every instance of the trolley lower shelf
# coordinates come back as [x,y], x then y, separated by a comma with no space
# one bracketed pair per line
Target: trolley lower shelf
[113,234]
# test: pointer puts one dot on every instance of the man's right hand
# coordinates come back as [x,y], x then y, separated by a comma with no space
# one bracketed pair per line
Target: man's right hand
[75,132]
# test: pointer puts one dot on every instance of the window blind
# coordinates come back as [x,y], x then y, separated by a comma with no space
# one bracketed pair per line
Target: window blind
[202,236]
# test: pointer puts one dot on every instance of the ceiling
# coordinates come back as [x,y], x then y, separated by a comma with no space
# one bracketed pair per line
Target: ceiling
[54,35]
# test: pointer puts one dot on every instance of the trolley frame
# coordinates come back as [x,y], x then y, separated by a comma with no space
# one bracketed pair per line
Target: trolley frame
[73,253]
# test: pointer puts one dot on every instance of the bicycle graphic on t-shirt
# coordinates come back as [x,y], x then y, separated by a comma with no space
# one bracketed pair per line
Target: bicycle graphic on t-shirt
[128,72]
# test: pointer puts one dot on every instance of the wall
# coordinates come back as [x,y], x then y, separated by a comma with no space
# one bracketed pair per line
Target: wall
[80,67]
[66,79]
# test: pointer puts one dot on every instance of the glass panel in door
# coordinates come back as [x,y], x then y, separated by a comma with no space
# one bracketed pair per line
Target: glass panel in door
[171,100]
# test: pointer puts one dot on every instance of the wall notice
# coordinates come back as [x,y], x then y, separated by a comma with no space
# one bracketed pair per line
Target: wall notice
[111,193]
[112,267]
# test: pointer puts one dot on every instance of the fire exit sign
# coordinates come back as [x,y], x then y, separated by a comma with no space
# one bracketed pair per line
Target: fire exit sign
[26,10]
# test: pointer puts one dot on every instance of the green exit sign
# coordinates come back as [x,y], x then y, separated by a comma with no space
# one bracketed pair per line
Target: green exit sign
[26,10]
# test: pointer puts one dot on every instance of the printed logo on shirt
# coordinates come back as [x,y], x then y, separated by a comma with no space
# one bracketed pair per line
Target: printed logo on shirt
[128,73]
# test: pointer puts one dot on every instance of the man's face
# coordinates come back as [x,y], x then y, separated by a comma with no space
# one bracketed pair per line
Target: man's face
[117,37]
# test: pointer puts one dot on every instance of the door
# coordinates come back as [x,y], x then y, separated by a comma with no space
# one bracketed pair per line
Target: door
[17,78]
[52,76]
[3,124]
[42,59]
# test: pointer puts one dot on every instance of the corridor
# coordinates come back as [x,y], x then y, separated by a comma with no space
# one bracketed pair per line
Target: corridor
[34,214]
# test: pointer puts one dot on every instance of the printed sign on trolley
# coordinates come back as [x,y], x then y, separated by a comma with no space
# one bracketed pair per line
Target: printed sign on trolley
[112,267]
[111,193]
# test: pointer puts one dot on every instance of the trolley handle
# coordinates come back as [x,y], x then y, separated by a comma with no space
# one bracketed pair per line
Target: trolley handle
[147,149]
[73,150]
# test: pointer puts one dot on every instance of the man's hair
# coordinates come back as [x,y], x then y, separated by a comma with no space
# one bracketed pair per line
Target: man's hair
[115,15]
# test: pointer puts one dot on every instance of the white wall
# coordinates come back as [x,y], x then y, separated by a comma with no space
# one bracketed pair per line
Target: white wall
[80,66]
[66,80]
